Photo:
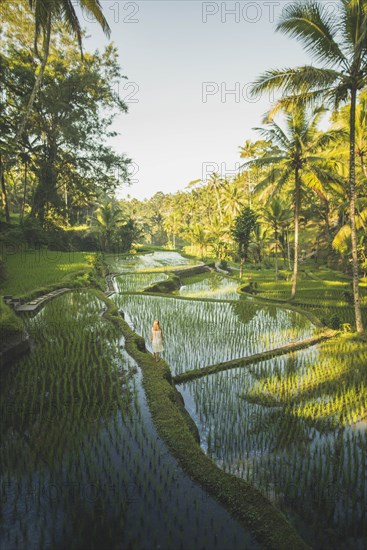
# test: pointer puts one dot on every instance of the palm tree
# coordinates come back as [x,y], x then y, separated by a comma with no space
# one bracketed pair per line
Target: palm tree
[277,215]
[339,42]
[234,197]
[107,218]
[215,184]
[198,236]
[297,162]
[219,237]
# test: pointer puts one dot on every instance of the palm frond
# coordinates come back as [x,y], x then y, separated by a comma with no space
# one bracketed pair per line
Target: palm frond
[268,182]
[310,23]
[330,137]
[274,133]
[300,80]
[71,21]
[354,23]
[340,241]
[282,181]
[264,161]
[94,7]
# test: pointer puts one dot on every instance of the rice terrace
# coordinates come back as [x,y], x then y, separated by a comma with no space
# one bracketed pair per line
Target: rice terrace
[183,353]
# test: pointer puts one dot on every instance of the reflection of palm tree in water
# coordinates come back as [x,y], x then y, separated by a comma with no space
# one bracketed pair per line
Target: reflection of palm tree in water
[215,282]
[245,310]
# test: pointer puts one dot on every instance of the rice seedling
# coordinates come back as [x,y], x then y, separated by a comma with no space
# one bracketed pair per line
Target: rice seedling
[79,457]
[155,261]
[199,333]
[290,426]
[131,282]
[210,285]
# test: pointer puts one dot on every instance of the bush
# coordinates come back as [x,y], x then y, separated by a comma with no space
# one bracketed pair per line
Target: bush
[9,322]
[3,273]
[32,232]
[89,242]
[333,322]
[348,296]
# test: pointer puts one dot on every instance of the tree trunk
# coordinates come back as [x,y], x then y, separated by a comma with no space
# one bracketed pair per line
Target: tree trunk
[276,253]
[37,84]
[219,205]
[288,251]
[352,192]
[4,196]
[241,267]
[24,190]
[297,201]
[66,204]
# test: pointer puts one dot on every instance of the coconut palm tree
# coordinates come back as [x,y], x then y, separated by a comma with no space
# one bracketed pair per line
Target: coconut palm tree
[106,219]
[216,184]
[339,42]
[276,214]
[234,196]
[297,162]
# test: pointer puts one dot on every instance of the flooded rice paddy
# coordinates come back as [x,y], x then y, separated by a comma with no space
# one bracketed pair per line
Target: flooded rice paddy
[82,465]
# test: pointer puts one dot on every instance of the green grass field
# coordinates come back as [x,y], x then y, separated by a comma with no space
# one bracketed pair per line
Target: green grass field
[36,269]
[323,291]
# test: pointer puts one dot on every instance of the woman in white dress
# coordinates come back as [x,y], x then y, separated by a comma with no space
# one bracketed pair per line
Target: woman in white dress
[156,338]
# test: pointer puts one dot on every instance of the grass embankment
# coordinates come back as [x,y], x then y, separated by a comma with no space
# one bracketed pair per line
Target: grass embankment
[251,360]
[161,287]
[10,323]
[326,293]
[176,428]
[33,273]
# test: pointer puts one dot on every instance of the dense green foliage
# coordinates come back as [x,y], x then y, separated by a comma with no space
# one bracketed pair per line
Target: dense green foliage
[59,173]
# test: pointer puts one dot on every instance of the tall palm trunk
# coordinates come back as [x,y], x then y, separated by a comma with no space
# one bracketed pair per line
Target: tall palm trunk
[352,191]
[219,205]
[297,201]
[4,197]
[276,252]
[24,189]
[37,83]
[288,251]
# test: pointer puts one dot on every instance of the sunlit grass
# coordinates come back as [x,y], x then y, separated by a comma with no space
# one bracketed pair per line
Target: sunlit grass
[210,285]
[131,282]
[39,268]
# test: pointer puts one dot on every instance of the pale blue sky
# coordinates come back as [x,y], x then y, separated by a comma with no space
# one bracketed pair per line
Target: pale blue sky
[168,53]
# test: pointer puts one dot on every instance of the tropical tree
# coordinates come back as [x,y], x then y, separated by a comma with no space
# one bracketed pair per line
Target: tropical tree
[276,214]
[298,162]
[338,41]
[215,184]
[107,218]
[198,236]
[46,14]
[234,196]
[220,237]
[243,226]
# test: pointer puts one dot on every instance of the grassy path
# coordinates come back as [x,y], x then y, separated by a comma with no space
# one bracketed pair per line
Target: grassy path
[250,360]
